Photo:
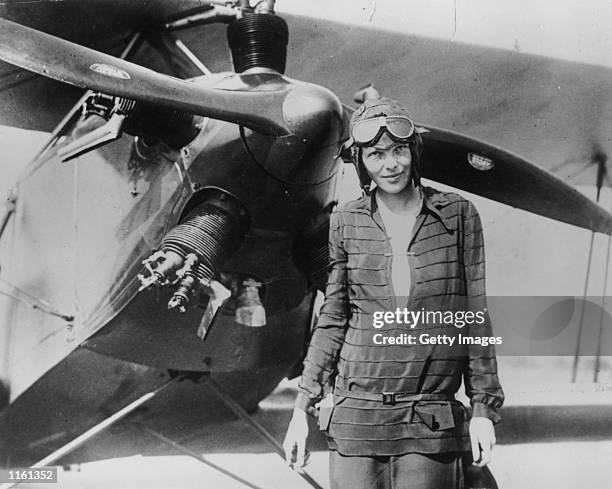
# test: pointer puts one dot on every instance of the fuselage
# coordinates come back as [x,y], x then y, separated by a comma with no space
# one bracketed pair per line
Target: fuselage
[82,228]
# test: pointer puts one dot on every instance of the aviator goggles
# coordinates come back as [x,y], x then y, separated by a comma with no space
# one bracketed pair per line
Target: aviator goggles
[368,131]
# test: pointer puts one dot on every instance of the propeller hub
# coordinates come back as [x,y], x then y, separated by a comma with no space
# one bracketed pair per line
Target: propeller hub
[313,114]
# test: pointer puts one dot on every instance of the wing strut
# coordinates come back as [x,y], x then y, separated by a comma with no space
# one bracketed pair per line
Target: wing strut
[9,210]
[119,415]
[601,314]
[601,160]
[93,431]
[238,410]
[182,61]
[191,453]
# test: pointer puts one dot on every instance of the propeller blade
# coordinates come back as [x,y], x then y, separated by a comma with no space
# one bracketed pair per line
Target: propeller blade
[77,65]
[482,169]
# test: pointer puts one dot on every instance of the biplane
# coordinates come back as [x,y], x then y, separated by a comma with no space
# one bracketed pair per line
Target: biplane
[173,223]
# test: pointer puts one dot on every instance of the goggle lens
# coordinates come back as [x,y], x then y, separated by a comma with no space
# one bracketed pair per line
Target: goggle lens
[370,130]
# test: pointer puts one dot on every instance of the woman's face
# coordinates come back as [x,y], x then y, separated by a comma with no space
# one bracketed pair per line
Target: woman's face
[389,164]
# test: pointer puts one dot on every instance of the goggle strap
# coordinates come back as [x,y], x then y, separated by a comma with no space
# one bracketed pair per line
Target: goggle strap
[344,147]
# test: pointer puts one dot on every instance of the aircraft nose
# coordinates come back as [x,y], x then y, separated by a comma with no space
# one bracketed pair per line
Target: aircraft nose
[313,114]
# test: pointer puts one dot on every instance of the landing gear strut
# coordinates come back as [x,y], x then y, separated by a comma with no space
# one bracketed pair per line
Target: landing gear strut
[205,379]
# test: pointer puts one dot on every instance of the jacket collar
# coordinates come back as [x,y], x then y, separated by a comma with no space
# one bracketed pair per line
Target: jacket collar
[433,203]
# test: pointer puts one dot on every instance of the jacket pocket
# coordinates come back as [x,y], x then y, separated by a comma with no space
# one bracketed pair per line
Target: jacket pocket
[437,417]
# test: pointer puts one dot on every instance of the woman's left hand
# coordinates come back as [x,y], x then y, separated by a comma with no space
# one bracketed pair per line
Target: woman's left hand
[482,436]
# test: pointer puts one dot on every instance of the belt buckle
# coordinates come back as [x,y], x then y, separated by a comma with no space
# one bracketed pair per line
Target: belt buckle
[388,398]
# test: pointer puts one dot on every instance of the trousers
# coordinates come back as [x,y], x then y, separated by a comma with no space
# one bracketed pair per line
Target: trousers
[408,471]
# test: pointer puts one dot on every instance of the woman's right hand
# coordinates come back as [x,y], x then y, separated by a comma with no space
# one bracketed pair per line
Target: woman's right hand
[295,440]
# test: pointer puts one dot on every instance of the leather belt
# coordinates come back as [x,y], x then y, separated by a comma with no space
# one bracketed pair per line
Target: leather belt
[391,398]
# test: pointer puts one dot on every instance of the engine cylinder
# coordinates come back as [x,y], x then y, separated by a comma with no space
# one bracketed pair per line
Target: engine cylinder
[194,251]
[258,41]
[211,232]
[155,123]
[311,251]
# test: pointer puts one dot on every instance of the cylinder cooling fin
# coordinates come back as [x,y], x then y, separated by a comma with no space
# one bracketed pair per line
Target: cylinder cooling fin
[155,123]
[316,264]
[311,251]
[258,40]
[192,254]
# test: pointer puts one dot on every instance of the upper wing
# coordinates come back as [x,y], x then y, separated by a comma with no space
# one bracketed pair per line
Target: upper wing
[480,168]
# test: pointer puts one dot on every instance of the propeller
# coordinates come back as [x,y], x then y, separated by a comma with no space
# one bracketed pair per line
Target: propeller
[77,65]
